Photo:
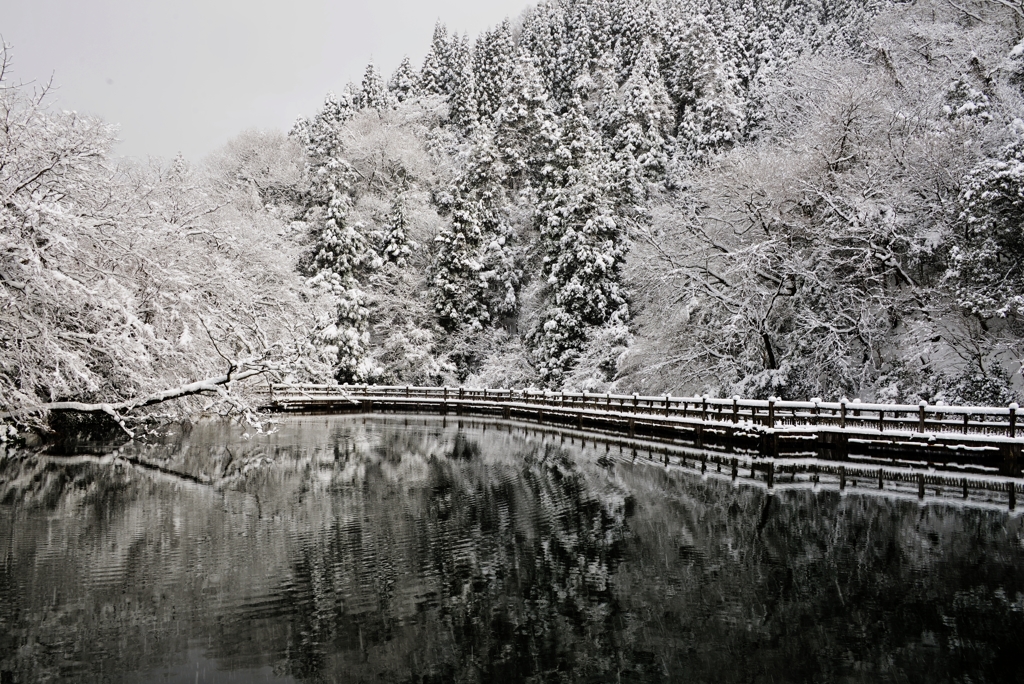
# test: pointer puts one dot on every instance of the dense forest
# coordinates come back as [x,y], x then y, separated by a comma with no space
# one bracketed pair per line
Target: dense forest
[775,197]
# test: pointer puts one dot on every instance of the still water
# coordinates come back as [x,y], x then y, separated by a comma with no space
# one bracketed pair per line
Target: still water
[345,549]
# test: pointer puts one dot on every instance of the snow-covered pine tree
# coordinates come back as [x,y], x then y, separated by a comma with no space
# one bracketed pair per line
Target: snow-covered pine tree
[583,247]
[525,125]
[545,38]
[711,110]
[639,120]
[475,276]
[341,252]
[589,35]
[494,61]
[988,249]
[403,84]
[639,23]
[373,94]
[435,76]
[395,244]
[462,103]
[321,140]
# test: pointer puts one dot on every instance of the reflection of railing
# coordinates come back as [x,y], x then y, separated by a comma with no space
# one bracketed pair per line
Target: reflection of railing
[962,434]
[852,415]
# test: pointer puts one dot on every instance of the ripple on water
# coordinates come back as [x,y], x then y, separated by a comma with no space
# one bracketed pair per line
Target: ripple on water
[379,551]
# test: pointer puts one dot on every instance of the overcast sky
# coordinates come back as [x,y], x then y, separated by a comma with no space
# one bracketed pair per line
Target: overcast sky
[187,75]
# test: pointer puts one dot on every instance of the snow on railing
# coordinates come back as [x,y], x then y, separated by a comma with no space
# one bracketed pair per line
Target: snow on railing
[844,414]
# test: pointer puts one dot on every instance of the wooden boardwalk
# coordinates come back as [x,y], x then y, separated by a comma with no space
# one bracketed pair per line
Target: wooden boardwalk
[980,439]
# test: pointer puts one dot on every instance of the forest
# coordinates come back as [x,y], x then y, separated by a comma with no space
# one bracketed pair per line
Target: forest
[793,198]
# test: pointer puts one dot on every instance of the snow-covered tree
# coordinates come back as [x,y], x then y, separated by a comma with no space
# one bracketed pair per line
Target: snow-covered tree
[640,120]
[711,111]
[396,246]
[583,247]
[125,284]
[373,94]
[525,124]
[494,60]
[320,138]
[476,275]
[988,247]
[639,23]
[341,253]
[437,73]
[462,103]
[404,83]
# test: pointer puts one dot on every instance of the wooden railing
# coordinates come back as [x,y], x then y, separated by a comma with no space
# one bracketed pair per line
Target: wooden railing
[853,416]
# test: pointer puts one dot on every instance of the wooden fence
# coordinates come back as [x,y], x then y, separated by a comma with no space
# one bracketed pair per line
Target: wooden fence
[854,416]
[975,448]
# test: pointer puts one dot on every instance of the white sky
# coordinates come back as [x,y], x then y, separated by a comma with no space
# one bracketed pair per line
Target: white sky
[188,75]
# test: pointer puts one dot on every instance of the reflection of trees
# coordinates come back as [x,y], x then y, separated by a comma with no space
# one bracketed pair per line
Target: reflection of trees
[509,566]
[375,552]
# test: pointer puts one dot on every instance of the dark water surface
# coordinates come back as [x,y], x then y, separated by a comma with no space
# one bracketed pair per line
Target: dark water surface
[349,550]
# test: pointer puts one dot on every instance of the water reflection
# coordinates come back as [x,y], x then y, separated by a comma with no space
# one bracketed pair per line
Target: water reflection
[344,549]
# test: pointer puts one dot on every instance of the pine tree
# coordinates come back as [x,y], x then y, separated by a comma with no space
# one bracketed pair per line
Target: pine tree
[396,245]
[712,113]
[543,36]
[639,119]
[435,76]
[582,246]
[494,62]
[374,95]
[475,276]
[403,84]
[320,138]
[640,23]
[988,249]
[341,253]
[525,124]
[462,103]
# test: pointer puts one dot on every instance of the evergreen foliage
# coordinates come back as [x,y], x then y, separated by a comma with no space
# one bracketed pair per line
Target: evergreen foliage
[404,83]
[583,247]
[373,94]
[494,59]
[818,202]
[396,247]
[988,248]
[435,76]
[475,276]
[340,252]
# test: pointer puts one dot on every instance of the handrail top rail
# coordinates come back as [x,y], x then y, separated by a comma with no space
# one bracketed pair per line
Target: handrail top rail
[723,402]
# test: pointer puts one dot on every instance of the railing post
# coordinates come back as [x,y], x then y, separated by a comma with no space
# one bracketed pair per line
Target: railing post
[771,411]
[462,393]
[408,391]
[667,400]
[608,398]
[920,415]
[1013,419]
[842,413]
[815,417]
[735,408]
[704,408]
[636,401]
[446,392]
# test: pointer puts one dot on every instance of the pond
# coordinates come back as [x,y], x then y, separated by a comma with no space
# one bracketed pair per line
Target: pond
[390,549]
